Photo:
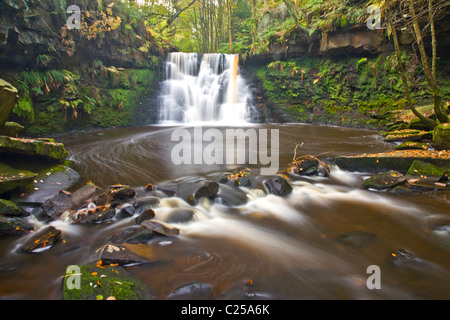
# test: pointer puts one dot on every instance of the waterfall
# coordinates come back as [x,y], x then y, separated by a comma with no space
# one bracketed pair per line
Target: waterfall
[203,88]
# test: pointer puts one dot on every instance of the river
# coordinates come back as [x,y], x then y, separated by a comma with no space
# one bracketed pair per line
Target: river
[315,243]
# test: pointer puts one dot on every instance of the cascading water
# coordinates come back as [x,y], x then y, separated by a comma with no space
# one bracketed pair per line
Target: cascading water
[204,88]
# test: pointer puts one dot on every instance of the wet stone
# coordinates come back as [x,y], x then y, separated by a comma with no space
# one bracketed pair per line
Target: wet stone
[384,180]
[277,186]
[112,254]
[179,215]
[13,226]
[135,234]
[160,228]
[146,215]
[405,258]
[192,291]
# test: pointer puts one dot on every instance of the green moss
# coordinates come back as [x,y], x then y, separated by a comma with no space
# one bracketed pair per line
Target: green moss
[107,282]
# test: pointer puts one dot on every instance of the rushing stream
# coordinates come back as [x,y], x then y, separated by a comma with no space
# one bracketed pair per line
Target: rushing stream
[315,243]
[291,247]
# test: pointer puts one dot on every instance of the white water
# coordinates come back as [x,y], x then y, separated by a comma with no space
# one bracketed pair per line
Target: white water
[204,88]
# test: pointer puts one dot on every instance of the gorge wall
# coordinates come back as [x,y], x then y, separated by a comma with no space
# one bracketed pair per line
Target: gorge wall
[347,76]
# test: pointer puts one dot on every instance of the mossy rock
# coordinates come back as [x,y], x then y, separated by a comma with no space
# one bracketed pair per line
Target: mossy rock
[8,99]
[419,124]
[101,283]
[9,208]
[412,145]
[441,136]
[42,148]
[14,226]
[425,171]
[11,178]
[10,129]
[384,180]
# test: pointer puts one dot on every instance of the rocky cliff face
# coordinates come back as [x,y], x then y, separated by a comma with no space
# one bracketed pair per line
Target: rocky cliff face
[348,40]
[29,29]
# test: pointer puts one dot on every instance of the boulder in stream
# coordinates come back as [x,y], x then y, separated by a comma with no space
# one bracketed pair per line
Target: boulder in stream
[278,186]
[384,180]
[43,239]
[192,192]
[40,147]
[161,228]
[14,226]
[103,283]
[11,178]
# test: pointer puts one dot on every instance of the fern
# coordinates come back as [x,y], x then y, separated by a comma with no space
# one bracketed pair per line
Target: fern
[24,108]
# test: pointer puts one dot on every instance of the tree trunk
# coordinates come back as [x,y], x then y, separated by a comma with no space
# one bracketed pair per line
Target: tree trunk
[403,75]
[426,67]
[229,27]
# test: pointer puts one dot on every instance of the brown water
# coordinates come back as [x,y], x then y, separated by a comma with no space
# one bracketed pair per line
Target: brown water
[287,246]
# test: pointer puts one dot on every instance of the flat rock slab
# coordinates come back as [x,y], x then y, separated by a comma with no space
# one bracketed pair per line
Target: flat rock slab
[399,160]
[49,182]
[11,178]
[93,282]
[42,148]
[407,135]
[160,228]
[42,240]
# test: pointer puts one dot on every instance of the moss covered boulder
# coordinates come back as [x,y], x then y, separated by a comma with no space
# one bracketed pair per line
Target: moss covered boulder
[412,145]
[11,178]
[9,208]
[425,174]
[11,129]
[441,136]
[384,180]
[95,282]
[406,135]
[42,148]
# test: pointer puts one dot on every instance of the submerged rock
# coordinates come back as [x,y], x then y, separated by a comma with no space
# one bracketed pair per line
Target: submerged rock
[356,239]
[179,215]
[384,180]
[192,291]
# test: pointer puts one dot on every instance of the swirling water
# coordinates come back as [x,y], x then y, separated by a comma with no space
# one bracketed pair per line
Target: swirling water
[290,247]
